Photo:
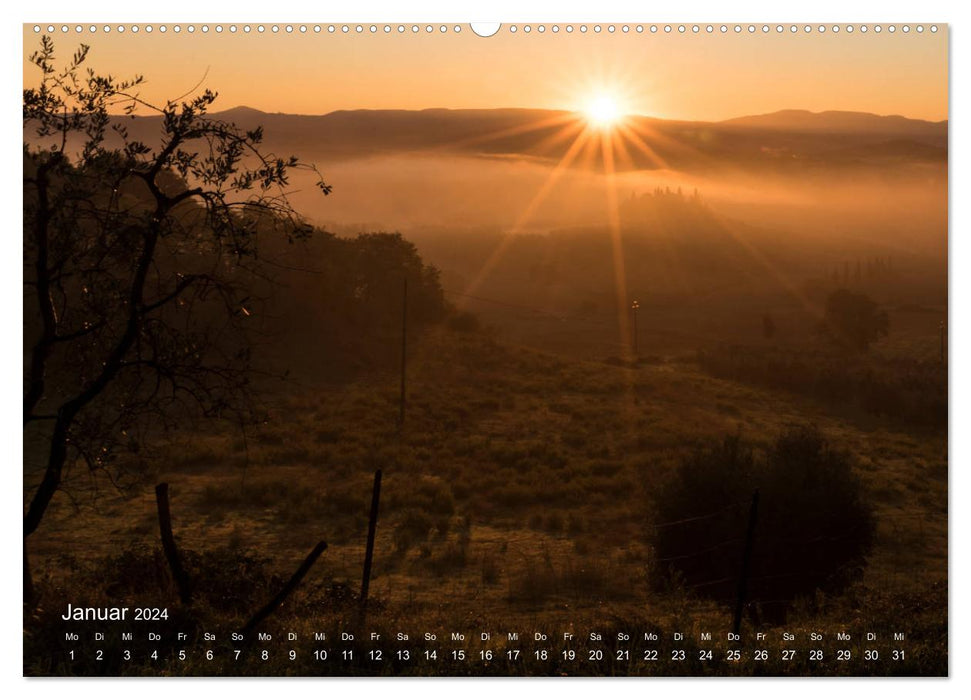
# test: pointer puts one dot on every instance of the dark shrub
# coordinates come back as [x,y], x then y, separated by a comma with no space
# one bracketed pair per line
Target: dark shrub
[227,579]
[813,528]
[854,320]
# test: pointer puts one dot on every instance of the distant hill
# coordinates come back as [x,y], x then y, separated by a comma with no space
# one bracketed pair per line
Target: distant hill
[844,122]
[790,139]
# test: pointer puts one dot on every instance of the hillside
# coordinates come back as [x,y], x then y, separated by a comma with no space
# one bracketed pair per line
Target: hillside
[788,139]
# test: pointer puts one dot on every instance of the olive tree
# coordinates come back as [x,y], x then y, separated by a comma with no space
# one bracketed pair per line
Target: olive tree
[140,263]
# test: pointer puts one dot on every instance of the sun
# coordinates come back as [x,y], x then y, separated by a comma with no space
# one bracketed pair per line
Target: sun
[603,111]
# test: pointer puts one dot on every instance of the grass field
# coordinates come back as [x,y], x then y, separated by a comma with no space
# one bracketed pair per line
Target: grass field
[519,494]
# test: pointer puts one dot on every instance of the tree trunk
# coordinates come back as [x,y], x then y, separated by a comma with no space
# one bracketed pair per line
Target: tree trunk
[69,410]
[28,580]
[52,475]
[45,492]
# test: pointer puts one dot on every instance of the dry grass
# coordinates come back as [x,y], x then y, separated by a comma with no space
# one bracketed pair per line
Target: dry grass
[522,483]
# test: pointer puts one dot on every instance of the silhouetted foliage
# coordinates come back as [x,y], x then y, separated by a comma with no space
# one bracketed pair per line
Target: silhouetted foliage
[139,265]
[854,320]
[667,208]
[814,527]
[910,391]
[347,308]
[365,281]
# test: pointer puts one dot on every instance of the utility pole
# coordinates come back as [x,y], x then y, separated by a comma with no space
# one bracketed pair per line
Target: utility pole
[634,307]
[404,352]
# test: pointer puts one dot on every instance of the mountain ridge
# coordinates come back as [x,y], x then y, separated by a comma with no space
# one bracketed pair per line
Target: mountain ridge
[788,140]
[766,117]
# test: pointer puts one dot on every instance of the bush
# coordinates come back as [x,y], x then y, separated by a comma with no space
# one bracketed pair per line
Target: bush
[813,528]
[854,320]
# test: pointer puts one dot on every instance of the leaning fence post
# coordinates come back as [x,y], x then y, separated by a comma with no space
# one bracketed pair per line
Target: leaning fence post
[369,552]
[294,581]
[746,559]
[404,353]
[168,543]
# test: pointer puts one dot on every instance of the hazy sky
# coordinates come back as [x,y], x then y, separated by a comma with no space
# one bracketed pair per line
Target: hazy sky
[703,76]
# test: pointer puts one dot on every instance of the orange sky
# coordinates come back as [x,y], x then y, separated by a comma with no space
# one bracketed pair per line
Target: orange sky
[703,76]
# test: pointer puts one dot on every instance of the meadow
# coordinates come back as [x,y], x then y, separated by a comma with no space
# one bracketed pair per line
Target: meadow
[629,393]
[521,492]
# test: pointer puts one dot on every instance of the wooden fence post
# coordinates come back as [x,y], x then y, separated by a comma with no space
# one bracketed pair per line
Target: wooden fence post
[287,589]
[746,560]
[369,552]
[168,544]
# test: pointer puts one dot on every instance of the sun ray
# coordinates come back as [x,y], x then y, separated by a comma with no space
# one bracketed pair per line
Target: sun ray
[641,129]
[632,137]
[622,154]
[572,130]
[629,399]
[787,285]
[616,241]
[561,119]
[528,212]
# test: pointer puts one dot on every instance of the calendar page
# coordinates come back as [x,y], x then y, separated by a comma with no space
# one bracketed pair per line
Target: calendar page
[544,349]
